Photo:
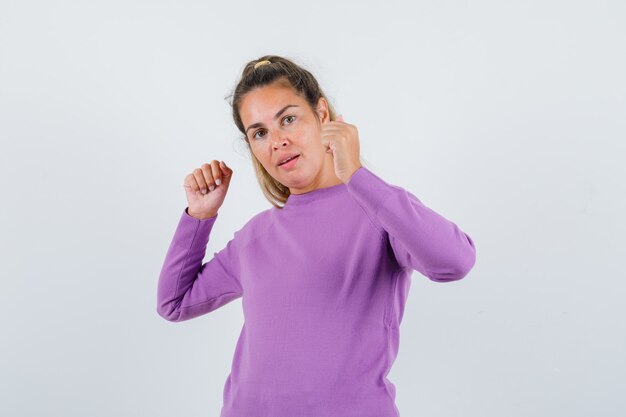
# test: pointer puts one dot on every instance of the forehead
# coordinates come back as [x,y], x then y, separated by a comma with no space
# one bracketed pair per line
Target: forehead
[264,102]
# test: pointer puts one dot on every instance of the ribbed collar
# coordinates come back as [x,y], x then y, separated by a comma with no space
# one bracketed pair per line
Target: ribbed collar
[315,195]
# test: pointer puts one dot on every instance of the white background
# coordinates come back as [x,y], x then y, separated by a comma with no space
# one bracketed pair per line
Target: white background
[508,118]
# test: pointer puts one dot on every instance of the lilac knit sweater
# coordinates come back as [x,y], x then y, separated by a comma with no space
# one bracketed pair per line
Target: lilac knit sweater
[323,282]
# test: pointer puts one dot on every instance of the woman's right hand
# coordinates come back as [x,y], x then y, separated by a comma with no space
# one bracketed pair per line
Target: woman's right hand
[205,205]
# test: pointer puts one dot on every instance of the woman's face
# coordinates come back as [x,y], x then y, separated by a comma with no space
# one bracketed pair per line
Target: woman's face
[280,123]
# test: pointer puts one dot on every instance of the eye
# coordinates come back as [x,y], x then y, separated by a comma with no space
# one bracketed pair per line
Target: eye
[254,136]
[290,117]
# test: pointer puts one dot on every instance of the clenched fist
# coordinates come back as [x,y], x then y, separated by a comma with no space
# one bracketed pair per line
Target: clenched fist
[206,188]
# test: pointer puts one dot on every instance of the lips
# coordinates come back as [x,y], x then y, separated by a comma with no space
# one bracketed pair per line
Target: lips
[288,158]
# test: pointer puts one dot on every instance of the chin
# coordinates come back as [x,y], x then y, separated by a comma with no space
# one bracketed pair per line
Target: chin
[299,182]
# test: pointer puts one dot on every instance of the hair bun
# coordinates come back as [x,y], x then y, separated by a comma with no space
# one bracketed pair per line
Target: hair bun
[264,62]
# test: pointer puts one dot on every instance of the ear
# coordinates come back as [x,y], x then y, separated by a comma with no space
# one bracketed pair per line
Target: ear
[322,109]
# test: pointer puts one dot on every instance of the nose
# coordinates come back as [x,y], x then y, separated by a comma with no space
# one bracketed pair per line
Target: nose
[280,141]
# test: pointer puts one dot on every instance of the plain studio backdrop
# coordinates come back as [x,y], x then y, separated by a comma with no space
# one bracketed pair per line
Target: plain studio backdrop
[507,118]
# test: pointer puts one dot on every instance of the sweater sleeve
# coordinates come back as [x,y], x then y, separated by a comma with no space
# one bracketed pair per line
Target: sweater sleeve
[186,287]
[420,238]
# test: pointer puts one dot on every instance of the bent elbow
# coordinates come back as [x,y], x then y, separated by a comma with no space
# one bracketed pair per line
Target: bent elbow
[447,276]
[457,270]
[169,312]
[468,260]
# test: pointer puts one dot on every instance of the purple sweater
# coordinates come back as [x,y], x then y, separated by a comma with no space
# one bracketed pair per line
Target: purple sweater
[323,282]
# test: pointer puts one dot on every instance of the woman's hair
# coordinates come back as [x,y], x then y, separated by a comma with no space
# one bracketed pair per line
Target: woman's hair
[282,71]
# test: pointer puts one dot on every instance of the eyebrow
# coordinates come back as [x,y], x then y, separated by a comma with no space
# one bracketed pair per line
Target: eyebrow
[276,116]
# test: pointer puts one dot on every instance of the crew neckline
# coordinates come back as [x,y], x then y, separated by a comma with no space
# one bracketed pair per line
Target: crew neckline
[314,195]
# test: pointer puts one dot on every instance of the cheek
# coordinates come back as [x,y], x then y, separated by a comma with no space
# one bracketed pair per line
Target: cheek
[311,138]
[260,153]
[266,160]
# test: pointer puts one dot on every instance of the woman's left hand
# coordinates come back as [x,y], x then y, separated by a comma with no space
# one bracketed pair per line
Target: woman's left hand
[342,140]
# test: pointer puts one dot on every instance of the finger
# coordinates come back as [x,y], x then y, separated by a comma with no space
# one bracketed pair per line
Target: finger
[335,125]
[332,134]
[217,173]
[227,171]
[207,172]
[335,128]
[199,174]
[191,183]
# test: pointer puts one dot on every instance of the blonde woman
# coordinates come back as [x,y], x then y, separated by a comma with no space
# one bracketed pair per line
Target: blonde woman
[324,273]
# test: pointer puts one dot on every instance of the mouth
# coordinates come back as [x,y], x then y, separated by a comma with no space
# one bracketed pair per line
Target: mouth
[290,162]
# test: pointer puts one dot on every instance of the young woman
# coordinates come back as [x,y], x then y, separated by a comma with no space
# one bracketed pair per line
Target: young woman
[324,273]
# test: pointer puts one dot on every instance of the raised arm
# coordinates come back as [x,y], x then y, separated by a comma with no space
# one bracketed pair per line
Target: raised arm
[187,288]
[421,239]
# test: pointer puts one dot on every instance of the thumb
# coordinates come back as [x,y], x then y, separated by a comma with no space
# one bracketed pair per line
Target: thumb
[227,172]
